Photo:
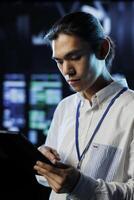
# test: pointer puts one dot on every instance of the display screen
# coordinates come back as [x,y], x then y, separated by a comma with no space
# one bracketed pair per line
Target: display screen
[14,100]
[44,94]
[29,103]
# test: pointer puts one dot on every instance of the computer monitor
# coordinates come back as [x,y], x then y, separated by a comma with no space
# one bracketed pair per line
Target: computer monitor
[14,100]
[45,92]
[29,102]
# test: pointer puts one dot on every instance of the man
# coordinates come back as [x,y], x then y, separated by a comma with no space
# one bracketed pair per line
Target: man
[91,138]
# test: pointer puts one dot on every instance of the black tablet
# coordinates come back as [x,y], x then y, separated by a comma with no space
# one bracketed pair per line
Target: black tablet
[16,149]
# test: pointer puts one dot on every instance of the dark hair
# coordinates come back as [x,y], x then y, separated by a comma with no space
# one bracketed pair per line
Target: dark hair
[84,25]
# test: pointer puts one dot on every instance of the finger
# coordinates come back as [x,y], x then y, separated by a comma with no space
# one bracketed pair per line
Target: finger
[60,179]
[55,153]
[53,184]
[50,171]
[55,181]
[59,182]
[62,165]
[50,153]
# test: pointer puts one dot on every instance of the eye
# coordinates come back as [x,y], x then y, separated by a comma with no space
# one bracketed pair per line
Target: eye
[76,57]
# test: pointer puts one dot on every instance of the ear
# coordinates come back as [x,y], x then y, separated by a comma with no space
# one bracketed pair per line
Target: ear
[104,49]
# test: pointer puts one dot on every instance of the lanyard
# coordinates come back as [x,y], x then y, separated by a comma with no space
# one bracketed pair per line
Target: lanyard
[81,157]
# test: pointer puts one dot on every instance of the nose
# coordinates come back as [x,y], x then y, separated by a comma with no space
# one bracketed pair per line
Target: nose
[67,68]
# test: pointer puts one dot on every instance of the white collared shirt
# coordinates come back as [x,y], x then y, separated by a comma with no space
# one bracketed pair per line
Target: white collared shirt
[108,167]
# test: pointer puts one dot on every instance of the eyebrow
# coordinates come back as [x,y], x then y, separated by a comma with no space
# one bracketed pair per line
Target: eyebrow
[66,56]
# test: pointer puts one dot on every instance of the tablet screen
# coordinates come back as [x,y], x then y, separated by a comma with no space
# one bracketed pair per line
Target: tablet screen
[17,149]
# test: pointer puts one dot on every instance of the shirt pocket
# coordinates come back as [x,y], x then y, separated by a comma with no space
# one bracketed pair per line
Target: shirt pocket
[104,161]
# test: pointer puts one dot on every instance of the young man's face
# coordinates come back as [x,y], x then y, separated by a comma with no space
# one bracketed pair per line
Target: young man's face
[76,61]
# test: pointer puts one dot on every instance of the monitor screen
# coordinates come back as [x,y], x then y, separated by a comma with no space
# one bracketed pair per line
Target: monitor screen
[14,99]
[45,92]
[29,103]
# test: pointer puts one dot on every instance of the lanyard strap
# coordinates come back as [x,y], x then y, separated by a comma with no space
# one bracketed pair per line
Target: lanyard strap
[80,157]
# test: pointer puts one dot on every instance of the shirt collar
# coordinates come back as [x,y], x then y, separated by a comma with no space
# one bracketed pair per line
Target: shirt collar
[104,93]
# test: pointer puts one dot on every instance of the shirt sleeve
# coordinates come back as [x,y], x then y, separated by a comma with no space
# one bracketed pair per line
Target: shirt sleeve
[91,189]
[42,180]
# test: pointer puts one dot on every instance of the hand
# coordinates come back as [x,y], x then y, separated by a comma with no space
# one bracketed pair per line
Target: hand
[62,179]
[50,153]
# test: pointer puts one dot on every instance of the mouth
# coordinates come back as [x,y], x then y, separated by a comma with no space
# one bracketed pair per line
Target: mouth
[73,81]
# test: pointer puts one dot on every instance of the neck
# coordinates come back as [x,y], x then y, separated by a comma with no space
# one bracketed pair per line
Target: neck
[100,83]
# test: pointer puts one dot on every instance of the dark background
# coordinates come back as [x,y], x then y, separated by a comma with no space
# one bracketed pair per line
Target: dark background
[19,23]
